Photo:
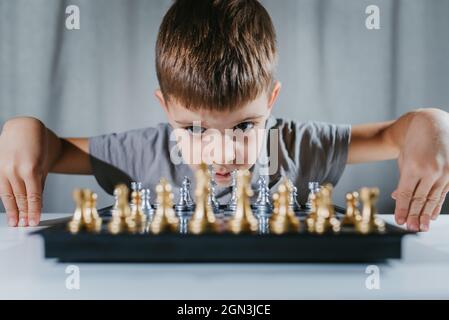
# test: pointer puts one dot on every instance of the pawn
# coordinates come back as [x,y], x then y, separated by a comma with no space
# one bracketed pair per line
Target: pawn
[212,199]
[76,223]
[293,197]
[243,219]
[352,214]
[118,222]
[369,221]
[326,219]
[185,202]
[314,187]
[146,203]
[203,218]
[135,187]
[311,218]
[92,220]
[263,205]
[164,218]
[137,220]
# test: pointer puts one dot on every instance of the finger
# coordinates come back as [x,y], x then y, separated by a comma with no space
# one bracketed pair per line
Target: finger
[418,201]
[9,202]
[437,210]
[19,190]
[394,194]
[34,196]
[433,199]
[404,192]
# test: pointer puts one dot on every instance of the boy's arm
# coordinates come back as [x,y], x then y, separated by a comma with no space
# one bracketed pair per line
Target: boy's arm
[420,142]
[29,151]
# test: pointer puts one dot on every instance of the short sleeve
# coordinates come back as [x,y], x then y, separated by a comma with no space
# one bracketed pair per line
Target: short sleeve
[125,157]
[312,151]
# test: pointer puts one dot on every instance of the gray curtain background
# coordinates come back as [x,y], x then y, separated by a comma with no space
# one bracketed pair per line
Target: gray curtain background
[101,78]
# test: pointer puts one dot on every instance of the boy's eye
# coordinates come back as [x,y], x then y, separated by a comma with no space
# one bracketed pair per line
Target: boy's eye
[195,129]
[244,126]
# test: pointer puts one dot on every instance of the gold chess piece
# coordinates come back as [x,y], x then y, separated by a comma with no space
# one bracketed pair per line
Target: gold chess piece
[77,222]
[119,221]
[164,218]
[326,219]
[311,218]
[352,214]
[92,221]
[283,219]
[243,219]
[137,220]
[203,218]
[369,221]
[86,215]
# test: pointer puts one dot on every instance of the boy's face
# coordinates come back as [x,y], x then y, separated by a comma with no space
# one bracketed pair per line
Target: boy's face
[227,140]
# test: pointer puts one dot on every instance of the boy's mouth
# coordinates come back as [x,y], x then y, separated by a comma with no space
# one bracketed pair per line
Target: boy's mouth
[222,177]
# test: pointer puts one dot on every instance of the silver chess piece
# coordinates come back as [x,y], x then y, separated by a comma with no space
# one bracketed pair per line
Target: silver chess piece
[135,187]
[313,187]
[212,200]
[263,204]
[185,202]
[293,198]
[146,202]
[232,205]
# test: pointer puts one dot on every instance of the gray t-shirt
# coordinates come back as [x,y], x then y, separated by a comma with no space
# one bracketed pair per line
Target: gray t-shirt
[303,152]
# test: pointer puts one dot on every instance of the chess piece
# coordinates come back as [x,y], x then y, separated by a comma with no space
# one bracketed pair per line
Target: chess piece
[232,205]
[185,202]
[203,218]
[352,214]
[263,205]
[293,197]
[146,203]
[75,224]
[92,220]
[369,221]
[135,187]
[119,221]
[284,219]
[314,187]
[212,199]
[115,206]
[243,219]
[311,218]
[326,219]
[137,220]
[164,218]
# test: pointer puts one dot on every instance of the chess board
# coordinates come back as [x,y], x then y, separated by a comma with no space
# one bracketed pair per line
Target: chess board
[250,247]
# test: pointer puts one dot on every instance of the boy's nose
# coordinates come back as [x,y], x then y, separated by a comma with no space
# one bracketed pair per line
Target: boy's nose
[228,150]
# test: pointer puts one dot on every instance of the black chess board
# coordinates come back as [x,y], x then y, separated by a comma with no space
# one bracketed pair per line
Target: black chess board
[345,246]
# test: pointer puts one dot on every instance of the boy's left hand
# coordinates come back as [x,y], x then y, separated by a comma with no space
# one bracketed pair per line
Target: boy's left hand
[424,169]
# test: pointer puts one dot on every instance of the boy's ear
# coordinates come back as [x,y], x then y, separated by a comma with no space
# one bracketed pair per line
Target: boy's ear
[160,97]
[274,94]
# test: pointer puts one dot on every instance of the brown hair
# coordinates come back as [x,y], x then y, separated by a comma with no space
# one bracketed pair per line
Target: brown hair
[215,54]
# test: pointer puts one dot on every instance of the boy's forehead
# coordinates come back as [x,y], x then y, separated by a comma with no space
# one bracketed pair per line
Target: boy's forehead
[255,109]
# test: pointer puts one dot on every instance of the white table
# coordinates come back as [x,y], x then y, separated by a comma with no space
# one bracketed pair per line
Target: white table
[423,272]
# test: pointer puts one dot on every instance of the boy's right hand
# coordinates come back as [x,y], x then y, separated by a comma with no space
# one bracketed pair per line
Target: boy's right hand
[23,169]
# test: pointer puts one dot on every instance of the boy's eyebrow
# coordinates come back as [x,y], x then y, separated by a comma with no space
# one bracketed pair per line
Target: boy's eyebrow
[248,118]
[187,123]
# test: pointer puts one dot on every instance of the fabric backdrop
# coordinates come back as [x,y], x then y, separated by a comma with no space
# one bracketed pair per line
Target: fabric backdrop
[101,78]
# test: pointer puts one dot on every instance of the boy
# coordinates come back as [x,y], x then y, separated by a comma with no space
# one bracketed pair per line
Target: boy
[215,64]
